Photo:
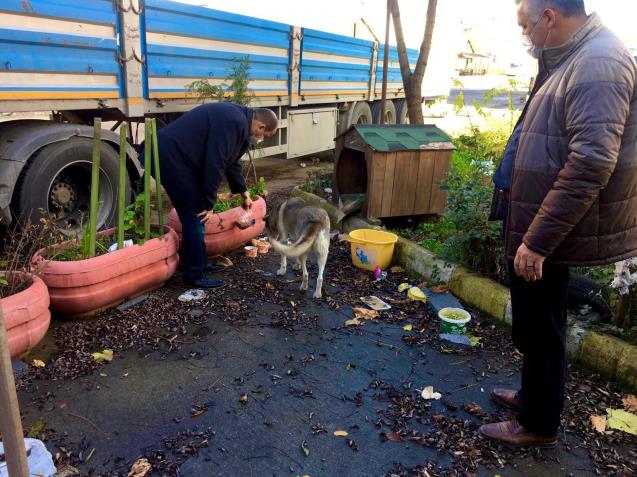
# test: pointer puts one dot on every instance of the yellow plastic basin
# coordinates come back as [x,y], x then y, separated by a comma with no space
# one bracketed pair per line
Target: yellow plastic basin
[372,248]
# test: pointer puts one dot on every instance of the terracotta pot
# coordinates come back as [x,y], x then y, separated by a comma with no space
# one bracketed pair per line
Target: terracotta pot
[263,247]
[250,251]
[221,233]
[26,315]
[86,287]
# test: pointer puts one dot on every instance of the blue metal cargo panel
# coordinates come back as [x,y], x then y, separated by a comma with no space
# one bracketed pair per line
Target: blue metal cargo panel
[185,43]
[53,61]
[393,72]
[334,63]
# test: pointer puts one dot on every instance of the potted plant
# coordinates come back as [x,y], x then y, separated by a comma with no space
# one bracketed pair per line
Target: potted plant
[222,233]
[24,297]
[100,270]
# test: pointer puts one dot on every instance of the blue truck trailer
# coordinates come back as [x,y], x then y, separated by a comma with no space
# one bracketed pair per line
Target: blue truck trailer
[126,60]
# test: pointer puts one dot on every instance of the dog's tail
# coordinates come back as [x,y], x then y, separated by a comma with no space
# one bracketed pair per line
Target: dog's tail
[302,245]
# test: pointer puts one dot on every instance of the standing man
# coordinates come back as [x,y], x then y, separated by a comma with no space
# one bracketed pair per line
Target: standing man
[569,178]
[196,152]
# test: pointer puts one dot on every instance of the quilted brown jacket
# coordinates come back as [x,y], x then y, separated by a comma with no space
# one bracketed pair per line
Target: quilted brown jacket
[574,190]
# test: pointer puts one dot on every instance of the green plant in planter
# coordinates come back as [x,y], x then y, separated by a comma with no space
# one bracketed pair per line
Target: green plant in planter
[256,190]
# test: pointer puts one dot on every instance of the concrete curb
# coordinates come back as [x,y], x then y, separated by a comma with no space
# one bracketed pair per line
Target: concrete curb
[609,356]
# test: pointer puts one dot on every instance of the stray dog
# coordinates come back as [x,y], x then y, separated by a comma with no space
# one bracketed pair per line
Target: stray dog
[308,228]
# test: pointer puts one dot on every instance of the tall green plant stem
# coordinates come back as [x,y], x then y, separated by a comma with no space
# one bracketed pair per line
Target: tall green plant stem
[121,190]
[160,211]
[95,185]
[147,161]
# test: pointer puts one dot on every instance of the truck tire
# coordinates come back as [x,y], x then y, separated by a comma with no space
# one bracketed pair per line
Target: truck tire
[390,112]
[361,114]
[57,181]
[402,112]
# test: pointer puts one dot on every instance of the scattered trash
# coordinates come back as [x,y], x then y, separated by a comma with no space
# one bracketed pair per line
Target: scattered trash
[328,190]
[305,449]
[68,471]
[475,340]
[453,321]
[416,294]
[375,303]
[303,164]
[440,289]
[630,403]
[131,303]
[243,399]
[353,322]
[38,363]
[251,251]
[106,355]
[221,260]
[39,459]
[393,436]
[192,295]
[622,420]
[127,243]
[379,275]
[599,423]
[263,247]
[456,339]
[397,269]
[340,433]
[365,313]
[140,468]
[408,327]
[429,394]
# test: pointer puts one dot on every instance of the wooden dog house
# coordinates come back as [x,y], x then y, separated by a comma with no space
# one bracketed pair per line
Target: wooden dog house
[398,167]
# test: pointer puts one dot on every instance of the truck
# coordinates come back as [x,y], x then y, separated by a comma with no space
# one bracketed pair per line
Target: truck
[127,60]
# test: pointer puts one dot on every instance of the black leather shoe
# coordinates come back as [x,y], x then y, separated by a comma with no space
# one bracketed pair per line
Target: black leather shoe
[205,283]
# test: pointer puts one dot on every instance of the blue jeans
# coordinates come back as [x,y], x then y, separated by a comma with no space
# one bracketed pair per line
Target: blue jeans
[193,248]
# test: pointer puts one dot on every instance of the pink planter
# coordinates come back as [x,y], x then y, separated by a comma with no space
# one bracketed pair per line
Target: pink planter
[26,316]
[221,233]
[86,287]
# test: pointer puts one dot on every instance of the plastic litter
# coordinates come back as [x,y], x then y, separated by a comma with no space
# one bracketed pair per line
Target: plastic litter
[456,339]
[416,294]
[375,303]
[379,275]
[192,295]
[127,243]
[428,393]
[39,459]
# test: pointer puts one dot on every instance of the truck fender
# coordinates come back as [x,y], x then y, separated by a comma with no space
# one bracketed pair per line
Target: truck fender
[20,139]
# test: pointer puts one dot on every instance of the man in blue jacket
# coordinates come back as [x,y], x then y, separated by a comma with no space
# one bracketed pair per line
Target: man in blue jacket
[196,151]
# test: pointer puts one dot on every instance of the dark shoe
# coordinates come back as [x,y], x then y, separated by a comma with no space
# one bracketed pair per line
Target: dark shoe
[514,434]
[213,267]
[507,398]
[204,283]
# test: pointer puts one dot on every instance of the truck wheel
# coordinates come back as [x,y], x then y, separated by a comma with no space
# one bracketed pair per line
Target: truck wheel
[402,112]
[56,182]
[390,112]
[362,114]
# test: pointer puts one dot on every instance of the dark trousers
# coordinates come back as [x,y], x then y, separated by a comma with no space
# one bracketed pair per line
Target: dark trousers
[539,333]
[193,249]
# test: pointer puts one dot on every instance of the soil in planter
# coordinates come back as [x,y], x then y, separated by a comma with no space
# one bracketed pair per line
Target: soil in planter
[8,288]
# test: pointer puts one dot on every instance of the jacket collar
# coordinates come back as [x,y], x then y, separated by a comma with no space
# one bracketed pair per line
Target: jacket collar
[554,57]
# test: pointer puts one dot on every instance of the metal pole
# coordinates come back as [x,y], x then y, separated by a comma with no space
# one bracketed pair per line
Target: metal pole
[383,98]
[160,209]
[121,192]
[148,142]
[95,186]
[10,423]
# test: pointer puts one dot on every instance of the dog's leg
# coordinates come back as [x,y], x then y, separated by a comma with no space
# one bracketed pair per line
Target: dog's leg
[283,269]
[297,265]
[322,251]
[304,282]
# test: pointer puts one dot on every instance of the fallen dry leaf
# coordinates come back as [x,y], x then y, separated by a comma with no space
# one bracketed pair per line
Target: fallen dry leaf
[630,403]
[365,313]
[106,355]
[440,289]
[408,327]
[397,269]
[38,363]
[428,393]
[340,433]
[243,399]
[141,468]
[353,322]
[422,285]
[68,471]
[599,423]
[394,437]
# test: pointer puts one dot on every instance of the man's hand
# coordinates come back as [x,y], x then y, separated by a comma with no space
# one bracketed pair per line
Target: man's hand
[528,264]
[206,216]
[247,201]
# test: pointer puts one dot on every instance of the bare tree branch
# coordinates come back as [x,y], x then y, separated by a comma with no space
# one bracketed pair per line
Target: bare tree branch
[403,59]
[425,48]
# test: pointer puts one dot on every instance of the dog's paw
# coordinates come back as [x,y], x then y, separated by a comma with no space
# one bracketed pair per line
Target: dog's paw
[317,295]
[281,272]
[304,286]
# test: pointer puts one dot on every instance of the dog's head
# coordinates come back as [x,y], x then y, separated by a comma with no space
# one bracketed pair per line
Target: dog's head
[271,222]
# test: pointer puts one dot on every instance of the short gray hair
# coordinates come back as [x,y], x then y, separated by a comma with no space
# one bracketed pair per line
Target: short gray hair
[568,8]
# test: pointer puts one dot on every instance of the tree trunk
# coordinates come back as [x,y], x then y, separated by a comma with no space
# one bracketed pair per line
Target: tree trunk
[412,82]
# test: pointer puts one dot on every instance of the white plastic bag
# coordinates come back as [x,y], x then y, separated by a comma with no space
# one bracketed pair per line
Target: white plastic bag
[39,459]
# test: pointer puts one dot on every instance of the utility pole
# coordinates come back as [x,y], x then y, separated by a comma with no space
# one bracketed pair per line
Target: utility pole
[383,98]
[10,422]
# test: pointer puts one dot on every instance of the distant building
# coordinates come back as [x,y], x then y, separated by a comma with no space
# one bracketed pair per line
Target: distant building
[472,62]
